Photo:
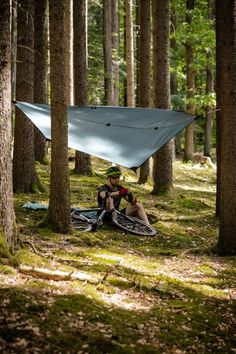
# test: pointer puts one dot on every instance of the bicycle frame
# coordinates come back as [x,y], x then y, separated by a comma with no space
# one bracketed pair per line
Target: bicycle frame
[98,221]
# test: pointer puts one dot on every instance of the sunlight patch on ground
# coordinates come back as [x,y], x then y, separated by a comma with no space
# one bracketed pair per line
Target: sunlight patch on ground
[196,188]
[127,300]
[131,261]
[174,269]
[110,257]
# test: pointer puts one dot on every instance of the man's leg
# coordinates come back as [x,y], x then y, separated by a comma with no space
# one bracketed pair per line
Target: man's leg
[110,204]
[138,211]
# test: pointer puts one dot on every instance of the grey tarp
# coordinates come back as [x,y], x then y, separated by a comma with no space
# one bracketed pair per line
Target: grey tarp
[126,136]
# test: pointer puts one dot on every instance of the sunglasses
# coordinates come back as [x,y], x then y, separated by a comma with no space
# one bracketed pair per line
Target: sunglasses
[115,177]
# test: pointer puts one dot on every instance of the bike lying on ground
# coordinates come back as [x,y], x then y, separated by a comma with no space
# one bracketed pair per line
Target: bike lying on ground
[90,219]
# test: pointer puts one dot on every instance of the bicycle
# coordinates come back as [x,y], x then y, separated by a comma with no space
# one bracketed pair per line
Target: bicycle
[96,216]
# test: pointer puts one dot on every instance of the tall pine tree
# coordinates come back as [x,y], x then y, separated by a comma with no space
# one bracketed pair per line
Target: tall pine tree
[7,216]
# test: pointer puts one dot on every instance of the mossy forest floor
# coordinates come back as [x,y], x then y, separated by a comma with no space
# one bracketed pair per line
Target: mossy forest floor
[133,294]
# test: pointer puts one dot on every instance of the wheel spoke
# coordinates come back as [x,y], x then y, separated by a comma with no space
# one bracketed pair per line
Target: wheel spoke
[134,225]
[81,225]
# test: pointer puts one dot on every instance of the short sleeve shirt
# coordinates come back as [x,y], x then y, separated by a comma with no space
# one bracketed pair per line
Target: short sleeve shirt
[105,188]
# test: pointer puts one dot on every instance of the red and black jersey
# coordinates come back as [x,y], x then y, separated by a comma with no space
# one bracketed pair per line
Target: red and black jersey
[106,188]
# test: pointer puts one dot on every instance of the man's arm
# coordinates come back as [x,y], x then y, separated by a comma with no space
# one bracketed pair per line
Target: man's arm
[103,194]
[128,196]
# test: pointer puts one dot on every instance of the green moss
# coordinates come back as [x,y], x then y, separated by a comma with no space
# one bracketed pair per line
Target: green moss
[4,269]
[35,188]
[207,269]
[164,190]
[40,285]
[46,233]
[192,203]
[45,160]
[85,239]
[4,251]
[28,258]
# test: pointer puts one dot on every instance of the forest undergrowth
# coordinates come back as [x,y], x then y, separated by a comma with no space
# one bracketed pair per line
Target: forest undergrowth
[113,292]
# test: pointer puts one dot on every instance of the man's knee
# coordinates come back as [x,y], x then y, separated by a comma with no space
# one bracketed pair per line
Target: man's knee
[139,206]
[136,207]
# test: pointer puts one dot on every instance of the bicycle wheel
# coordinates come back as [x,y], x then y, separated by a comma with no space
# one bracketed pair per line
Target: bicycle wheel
[80,222]
[81,225]
[133,225]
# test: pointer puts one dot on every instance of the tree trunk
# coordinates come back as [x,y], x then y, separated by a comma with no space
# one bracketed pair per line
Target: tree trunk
[83,164]
[13,48]
[59,201]
[162,164]
[107,45]
[69,55]
[221,52]
[209,111]
[129,53]
[144,60]
[137,52]
[24,173]
[82,161]
[173,75]
[173,45]
[40,71]
[7,216]
[115,51]
[124,58]
[209,90]
[190,72]
[226,101]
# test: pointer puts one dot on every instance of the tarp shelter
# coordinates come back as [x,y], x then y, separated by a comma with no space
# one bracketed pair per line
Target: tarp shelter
[125,136]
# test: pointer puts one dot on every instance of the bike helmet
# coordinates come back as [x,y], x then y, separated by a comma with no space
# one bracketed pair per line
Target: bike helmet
[112,171]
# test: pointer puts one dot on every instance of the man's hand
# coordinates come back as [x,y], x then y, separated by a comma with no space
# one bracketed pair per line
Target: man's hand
[123,192]
[131,199]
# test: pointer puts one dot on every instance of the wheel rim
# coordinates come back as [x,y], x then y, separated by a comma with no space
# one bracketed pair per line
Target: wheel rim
[134,225]
[81,226]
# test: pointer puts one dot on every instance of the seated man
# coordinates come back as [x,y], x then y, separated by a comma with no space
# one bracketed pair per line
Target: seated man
[110,194]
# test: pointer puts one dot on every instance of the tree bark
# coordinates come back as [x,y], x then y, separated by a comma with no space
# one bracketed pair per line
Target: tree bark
[129,53]
[7,215]
[173,75]
[190,72]
[209,111]
[69,55]
[144,73]
[124,58]
[107,47]
[226,102]
[40,71]
[221,50]
[115,51]
[13,48]
[137,52]
[162,164]
[209,90]
[82,161]
[24,173]
[59,201]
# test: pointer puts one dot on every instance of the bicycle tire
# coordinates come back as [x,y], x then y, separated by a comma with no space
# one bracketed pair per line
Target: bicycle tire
[133,225]
[82,225]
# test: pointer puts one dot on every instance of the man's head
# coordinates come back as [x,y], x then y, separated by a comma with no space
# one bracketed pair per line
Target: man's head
[113,174]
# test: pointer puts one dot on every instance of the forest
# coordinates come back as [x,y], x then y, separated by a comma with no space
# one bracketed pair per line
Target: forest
[83,284]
